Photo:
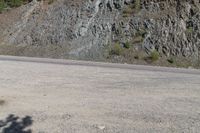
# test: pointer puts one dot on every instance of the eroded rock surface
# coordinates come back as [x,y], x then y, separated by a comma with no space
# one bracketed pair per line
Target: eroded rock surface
[88,28]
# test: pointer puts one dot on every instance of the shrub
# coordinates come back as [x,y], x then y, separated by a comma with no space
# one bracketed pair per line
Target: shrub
[11,3]
[127,45]
[154,56]
[3,5]
[116,49]
[14,3]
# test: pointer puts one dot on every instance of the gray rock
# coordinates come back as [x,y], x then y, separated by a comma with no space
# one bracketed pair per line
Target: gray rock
[88,27]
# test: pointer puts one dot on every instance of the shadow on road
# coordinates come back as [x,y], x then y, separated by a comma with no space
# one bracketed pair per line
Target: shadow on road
[14,124]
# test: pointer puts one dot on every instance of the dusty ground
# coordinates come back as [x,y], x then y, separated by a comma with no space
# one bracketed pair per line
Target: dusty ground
[82,97]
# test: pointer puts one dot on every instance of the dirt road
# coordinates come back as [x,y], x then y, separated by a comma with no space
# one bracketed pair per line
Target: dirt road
[58,96]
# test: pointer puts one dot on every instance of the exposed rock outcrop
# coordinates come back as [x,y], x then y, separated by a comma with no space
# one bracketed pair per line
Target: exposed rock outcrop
[88,28]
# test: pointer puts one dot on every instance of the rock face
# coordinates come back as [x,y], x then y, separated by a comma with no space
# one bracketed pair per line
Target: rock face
[88,28]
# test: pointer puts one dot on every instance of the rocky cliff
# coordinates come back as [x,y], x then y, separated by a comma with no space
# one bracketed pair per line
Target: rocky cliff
[115,30]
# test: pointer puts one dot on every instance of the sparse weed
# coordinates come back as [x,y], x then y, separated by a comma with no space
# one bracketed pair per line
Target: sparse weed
[116,49]
[154,56]
[137,5]
[128,10]
[189,31]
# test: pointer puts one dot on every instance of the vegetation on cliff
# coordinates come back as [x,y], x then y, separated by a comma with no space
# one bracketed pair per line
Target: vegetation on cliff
[5,4]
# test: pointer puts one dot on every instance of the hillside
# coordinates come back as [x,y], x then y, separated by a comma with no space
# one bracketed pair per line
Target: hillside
[160,32]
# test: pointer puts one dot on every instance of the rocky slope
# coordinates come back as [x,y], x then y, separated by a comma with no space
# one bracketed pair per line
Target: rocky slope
[114,30]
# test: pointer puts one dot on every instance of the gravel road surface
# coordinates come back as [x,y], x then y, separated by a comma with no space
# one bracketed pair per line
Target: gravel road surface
[65,96]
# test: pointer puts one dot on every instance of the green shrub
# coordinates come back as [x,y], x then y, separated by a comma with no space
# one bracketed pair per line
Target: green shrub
[154,56]
[127,45]
[11,3]
[116,49]
[3,5]
[14,3]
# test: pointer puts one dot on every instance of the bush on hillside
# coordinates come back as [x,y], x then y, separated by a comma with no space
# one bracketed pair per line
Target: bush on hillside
[116,49]
[3,5]
[154,56]
[11,3]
